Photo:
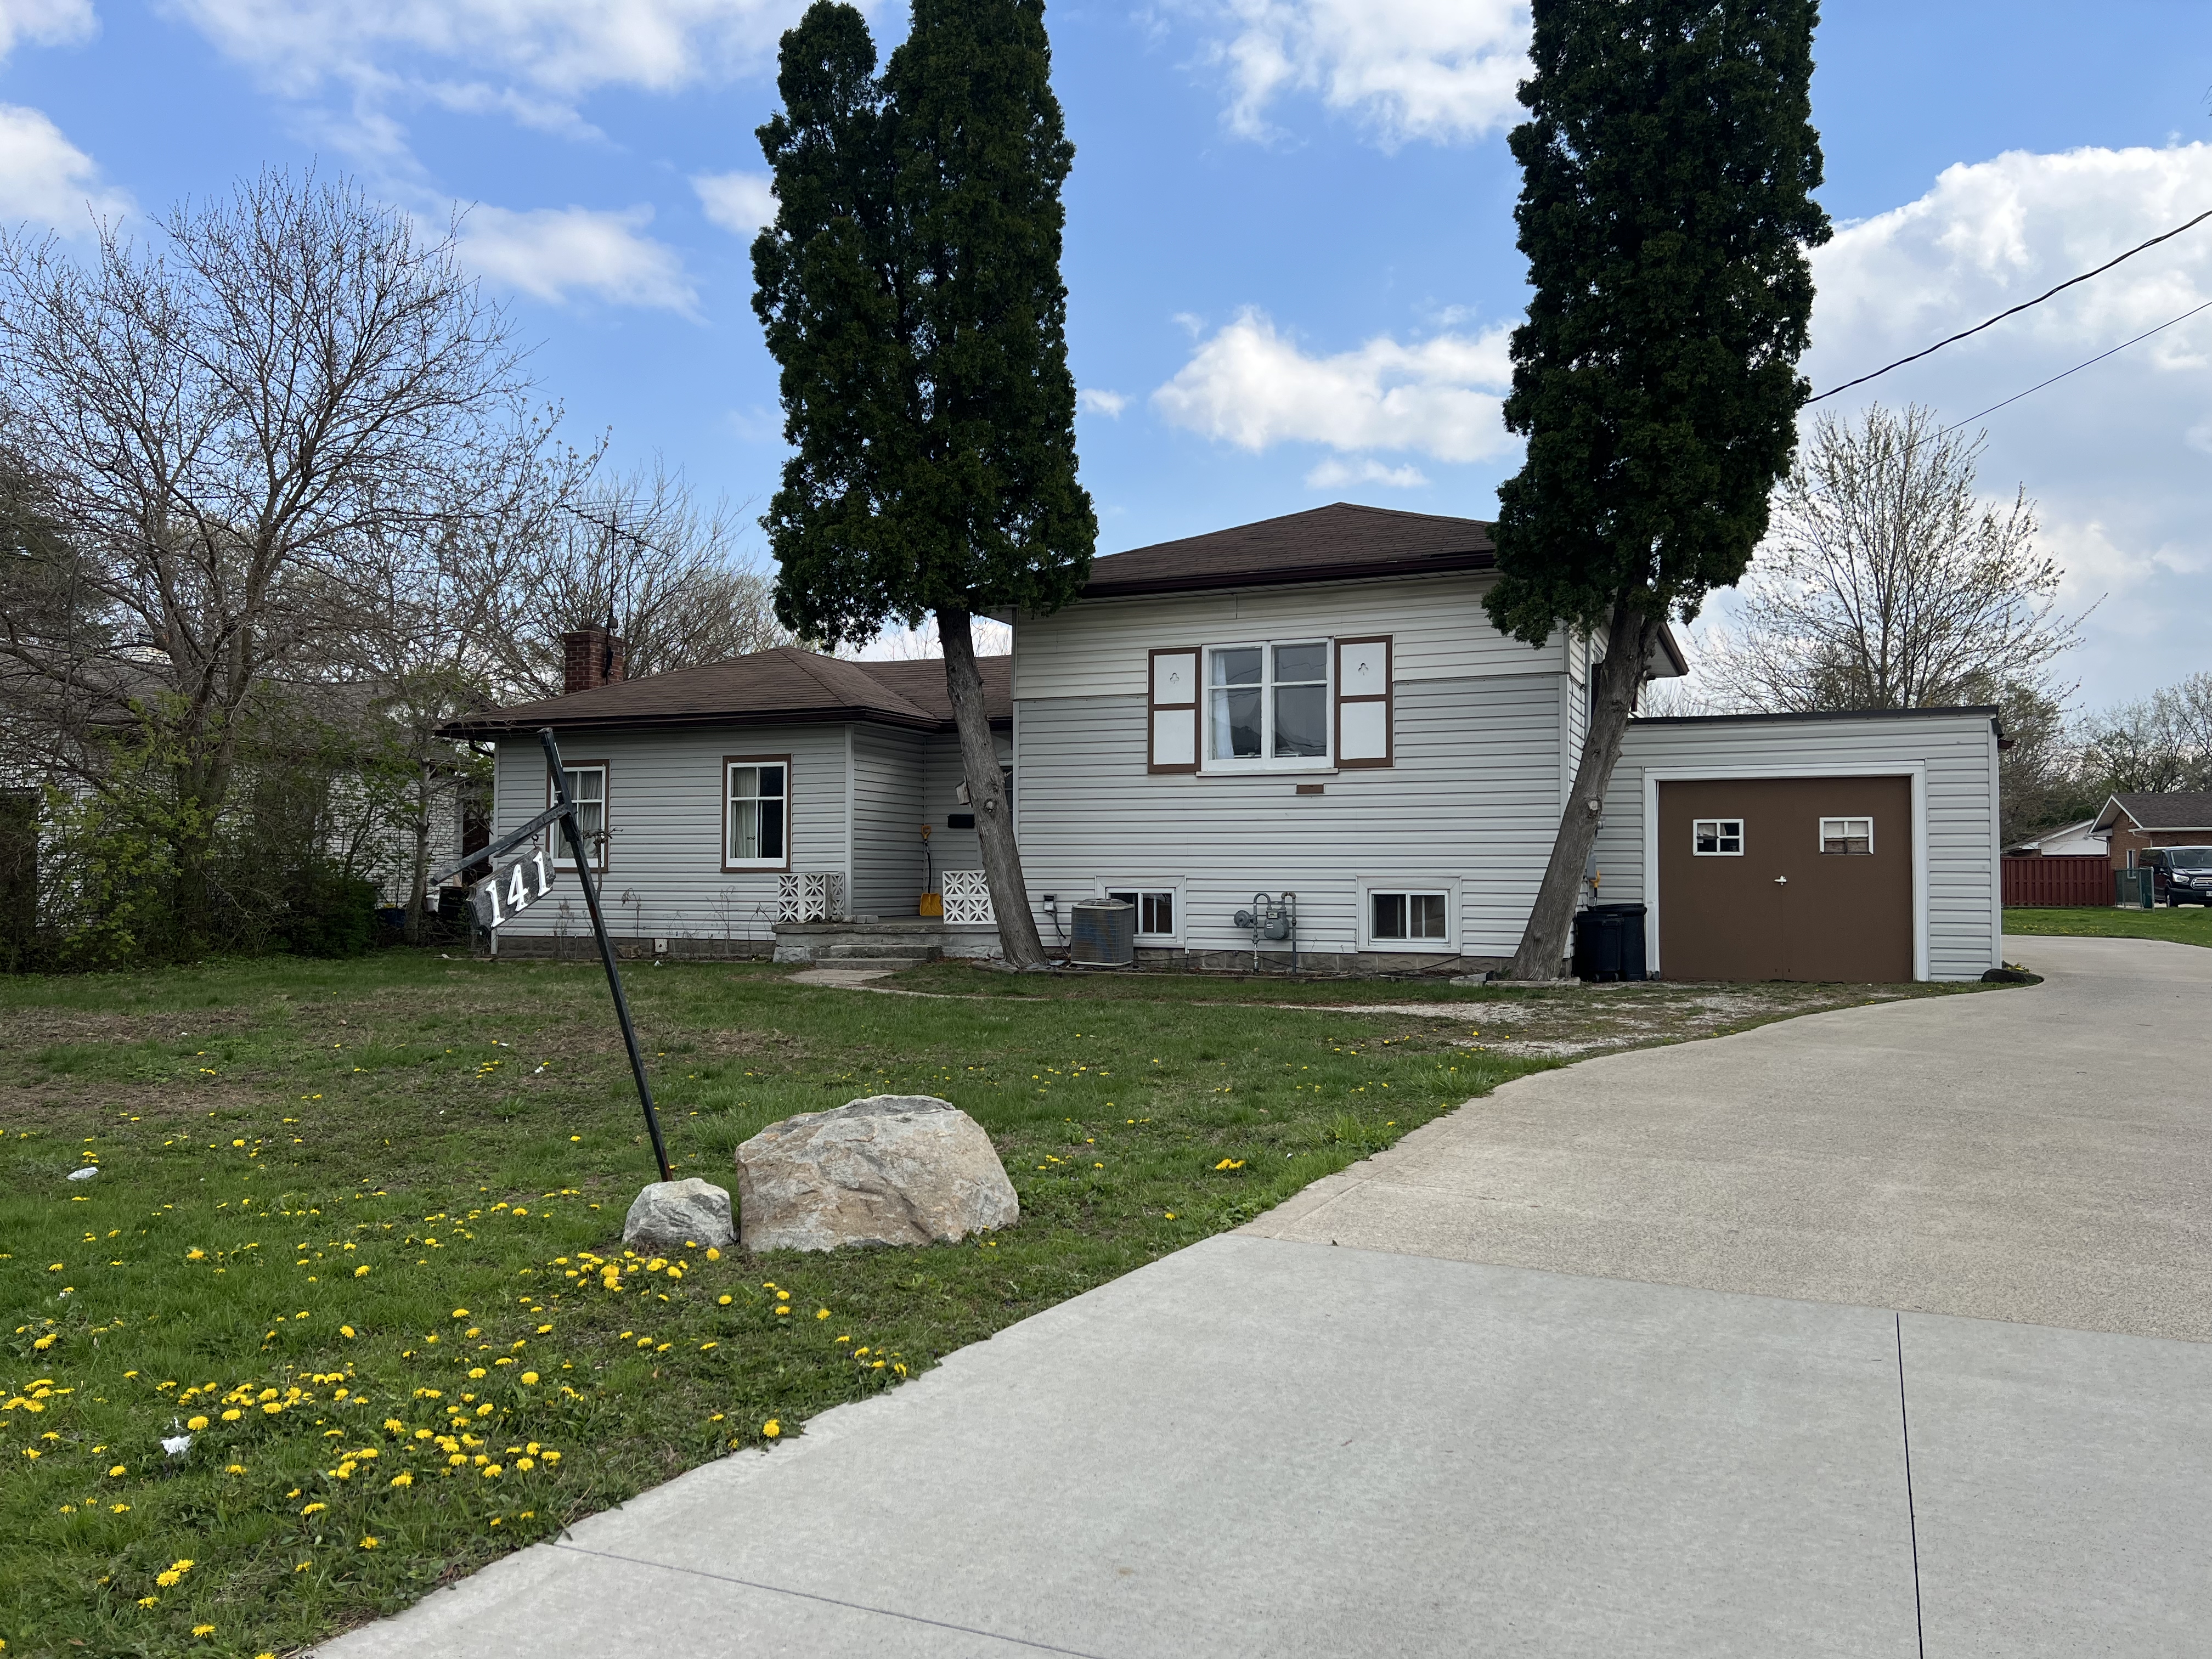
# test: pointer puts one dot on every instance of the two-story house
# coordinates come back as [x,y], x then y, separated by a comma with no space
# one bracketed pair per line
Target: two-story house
[1316,705]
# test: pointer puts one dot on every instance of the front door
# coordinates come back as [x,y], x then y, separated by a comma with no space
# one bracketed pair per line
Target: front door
[1791,879]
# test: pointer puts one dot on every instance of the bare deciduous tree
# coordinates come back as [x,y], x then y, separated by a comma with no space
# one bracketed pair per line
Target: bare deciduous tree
[2163,742]
[221,420]
[1887,582]
[637,551]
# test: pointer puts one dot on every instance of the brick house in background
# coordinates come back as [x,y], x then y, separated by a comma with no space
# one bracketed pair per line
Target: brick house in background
[2182,818]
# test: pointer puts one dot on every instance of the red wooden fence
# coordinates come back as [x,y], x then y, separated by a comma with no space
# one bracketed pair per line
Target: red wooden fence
[2071,879]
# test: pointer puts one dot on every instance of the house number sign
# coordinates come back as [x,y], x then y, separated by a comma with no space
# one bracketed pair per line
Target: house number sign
[512,889]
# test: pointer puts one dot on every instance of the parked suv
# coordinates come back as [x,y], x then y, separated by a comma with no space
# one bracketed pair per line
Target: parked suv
[2183,873]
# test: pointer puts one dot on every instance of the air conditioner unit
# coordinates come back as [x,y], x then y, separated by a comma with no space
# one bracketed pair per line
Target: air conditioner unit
[1102,933]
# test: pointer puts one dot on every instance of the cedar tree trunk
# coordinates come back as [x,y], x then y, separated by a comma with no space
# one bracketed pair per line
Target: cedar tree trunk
[987,794]
[1545,945]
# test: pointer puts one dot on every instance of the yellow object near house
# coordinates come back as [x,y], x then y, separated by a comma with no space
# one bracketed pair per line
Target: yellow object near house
[932,904]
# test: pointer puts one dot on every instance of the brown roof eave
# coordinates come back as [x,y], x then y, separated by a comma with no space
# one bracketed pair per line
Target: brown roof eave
[482,728]
[1286,575]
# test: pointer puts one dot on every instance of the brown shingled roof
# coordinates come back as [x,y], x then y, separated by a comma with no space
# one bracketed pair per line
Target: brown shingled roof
[2173,809]
[787,686]
[1328,543]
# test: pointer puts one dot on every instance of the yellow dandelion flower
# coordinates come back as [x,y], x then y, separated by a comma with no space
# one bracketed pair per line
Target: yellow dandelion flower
[530,1377]
[772,1428]
[403,1479]
[203,1629]
[196,1424]
[117,1470]
[723,1301]
[370,1543]
[822,1313]
[232,1415]
[313,1509]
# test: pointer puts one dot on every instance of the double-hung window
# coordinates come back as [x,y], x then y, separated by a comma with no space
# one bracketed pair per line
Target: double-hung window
[756,812]
[1268,705]
[587,782]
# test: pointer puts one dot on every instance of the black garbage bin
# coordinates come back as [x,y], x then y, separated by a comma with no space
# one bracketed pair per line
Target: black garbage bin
[1609,942]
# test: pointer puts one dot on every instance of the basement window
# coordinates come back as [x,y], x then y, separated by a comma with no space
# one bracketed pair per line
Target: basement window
[1403,918]
[1155,908]
[1716,838]
[1847,835]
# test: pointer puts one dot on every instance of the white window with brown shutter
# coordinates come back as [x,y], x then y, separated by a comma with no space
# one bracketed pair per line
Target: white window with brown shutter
[1172,745]
[1364,723]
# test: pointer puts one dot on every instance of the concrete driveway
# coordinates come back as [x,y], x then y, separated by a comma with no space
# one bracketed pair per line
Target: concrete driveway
[1851,1336]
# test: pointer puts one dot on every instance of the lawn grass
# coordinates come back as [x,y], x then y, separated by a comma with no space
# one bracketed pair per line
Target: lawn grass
[350,1219]
[2180,924]
[308,1171]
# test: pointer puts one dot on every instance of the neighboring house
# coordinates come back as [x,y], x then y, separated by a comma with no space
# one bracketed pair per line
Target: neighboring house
[1315,706]
[2076,839]
[2133,822]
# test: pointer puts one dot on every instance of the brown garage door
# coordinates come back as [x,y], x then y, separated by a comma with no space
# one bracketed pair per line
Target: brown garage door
[1805,878]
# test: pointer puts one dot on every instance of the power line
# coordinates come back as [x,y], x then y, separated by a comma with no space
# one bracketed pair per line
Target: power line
[2077,369]
[2015,312]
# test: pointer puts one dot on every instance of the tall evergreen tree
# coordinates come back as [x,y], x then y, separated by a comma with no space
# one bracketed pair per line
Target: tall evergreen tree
[1669,163]
[911,293]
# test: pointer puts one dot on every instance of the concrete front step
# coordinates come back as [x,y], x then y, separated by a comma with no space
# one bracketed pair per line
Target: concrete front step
[869,964]
[879,951]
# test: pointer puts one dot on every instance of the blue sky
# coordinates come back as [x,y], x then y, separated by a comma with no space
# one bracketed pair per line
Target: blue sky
[1289,244]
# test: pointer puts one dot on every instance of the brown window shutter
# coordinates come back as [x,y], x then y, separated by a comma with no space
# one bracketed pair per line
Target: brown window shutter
[1171,744]
[1366,726]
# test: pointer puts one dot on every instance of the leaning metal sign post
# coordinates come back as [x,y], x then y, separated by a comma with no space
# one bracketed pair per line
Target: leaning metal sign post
[512,888]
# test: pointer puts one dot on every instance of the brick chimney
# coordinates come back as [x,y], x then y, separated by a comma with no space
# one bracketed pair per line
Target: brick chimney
[591,657]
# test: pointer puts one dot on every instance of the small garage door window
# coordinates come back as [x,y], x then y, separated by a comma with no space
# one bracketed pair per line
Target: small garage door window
[1717,837]
[1847,835]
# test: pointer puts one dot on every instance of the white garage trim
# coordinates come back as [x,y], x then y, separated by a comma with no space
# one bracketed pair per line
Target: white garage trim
[1655,776]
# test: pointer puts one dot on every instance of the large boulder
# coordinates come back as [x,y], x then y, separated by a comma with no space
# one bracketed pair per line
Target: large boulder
[670,1214]
[887,1169]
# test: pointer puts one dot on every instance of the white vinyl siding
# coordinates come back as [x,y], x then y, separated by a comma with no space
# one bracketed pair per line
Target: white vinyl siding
[1473,796]
[666,810]
[1438,630]
[1957,754]
[887,816]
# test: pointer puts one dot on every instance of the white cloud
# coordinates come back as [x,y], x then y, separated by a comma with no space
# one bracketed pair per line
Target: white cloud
[2114,455]
[45,178]
[742,201]
[1099,401]
[560,47]
[1254,387]
[1438,70]
[44,22]
[551,252]
[1334,475]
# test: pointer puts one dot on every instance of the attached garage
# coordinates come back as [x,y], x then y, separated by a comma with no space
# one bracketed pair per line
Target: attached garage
[1803,878]
[1853,847]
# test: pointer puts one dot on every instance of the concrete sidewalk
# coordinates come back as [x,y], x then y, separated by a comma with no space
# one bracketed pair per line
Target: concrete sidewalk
[1278,1446]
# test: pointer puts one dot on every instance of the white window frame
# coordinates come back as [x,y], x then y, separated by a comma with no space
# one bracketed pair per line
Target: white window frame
[1843,833]
[562,858]
[1369,888]
[731,763]
[1173,889]
[1265,761]
[1719,823]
